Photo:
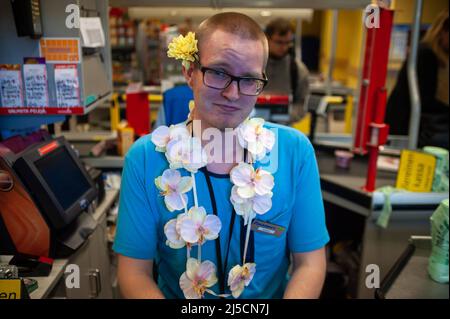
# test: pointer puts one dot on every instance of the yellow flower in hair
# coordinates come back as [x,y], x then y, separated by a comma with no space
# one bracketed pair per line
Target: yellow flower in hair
[191,108]
[191,105]
[183,48]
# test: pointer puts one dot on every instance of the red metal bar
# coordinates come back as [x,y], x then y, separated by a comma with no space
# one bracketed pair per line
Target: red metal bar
[371,132]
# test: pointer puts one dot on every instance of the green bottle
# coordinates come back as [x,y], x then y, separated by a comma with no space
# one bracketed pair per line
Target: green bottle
[440,181]
[438,261]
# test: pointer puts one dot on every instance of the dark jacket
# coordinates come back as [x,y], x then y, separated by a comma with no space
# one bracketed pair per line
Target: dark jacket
[434,120]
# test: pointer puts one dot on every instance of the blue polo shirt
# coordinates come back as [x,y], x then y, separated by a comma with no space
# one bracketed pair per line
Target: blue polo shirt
[297,207]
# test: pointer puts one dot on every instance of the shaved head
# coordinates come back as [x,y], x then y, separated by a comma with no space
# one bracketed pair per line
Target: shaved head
[235,23]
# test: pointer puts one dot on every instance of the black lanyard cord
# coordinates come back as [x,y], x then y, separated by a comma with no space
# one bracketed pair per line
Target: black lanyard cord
[220,268]
[233,218]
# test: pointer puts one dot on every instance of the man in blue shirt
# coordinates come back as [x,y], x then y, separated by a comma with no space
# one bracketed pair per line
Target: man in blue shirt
[231,46]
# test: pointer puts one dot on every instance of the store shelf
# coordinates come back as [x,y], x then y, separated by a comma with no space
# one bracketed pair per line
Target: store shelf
[104,161]
[123,48]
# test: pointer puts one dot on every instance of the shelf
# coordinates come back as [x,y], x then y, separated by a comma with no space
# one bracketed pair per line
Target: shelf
[98,102]
[109,200]
[152,106]
[123,48]
[104,161]
[90,136]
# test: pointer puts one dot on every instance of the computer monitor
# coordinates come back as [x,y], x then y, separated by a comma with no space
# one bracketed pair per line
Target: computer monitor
[57,181]
[273,108]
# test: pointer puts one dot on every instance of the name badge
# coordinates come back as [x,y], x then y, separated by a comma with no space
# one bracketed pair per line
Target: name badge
[267,228]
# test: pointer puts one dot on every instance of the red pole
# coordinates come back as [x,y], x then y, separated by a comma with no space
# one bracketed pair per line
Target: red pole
[372,169]
[378,136]
[371,132]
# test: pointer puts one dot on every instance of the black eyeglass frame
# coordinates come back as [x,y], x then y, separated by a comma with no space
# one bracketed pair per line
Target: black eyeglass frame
[233,78]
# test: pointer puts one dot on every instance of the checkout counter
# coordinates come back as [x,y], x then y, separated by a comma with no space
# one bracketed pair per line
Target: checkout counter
[409,278]
[97,280]
[55,211]
[351,215]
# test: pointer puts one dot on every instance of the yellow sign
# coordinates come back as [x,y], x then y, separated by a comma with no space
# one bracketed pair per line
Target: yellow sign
[10,289]
[416,171]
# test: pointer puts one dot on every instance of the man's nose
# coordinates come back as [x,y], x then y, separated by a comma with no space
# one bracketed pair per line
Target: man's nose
[231,92]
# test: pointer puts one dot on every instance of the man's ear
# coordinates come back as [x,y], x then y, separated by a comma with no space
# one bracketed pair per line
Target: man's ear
[188,74]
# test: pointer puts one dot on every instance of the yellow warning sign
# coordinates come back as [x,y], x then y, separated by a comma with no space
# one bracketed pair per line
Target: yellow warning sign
[10,288]
[416,171]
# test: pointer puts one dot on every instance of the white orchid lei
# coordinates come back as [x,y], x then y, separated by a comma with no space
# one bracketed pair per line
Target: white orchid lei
[251,193]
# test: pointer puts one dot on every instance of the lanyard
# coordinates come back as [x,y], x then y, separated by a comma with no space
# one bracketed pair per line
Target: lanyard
[222,267]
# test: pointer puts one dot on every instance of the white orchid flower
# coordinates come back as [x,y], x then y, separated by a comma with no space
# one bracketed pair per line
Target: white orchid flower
[172,232]
[249,207]
[251,182]
[255,137]
[239,277]
[178,132]
[173,187]
[160,137]
[197,278]
[163,135]
[186,153]
[197,226]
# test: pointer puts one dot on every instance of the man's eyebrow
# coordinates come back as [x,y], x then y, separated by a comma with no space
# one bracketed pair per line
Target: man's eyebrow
[220,64]
[251,75]
[226,65]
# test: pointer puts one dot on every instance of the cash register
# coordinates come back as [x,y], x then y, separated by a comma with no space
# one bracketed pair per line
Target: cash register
[44,211]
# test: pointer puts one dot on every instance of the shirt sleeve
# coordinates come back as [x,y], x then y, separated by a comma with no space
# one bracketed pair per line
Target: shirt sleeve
[307,230]
[136,232]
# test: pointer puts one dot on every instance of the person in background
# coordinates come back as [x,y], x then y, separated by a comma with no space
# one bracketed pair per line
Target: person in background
[432,73]
[287,74]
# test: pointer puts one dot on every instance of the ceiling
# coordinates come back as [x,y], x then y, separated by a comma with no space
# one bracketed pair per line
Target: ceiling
[309,4]
[176,14]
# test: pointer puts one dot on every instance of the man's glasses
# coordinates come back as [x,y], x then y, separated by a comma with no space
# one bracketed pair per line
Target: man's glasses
[220,80]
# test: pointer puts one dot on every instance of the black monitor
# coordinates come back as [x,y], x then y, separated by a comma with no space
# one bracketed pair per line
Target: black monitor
[273,108]
[57,181]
